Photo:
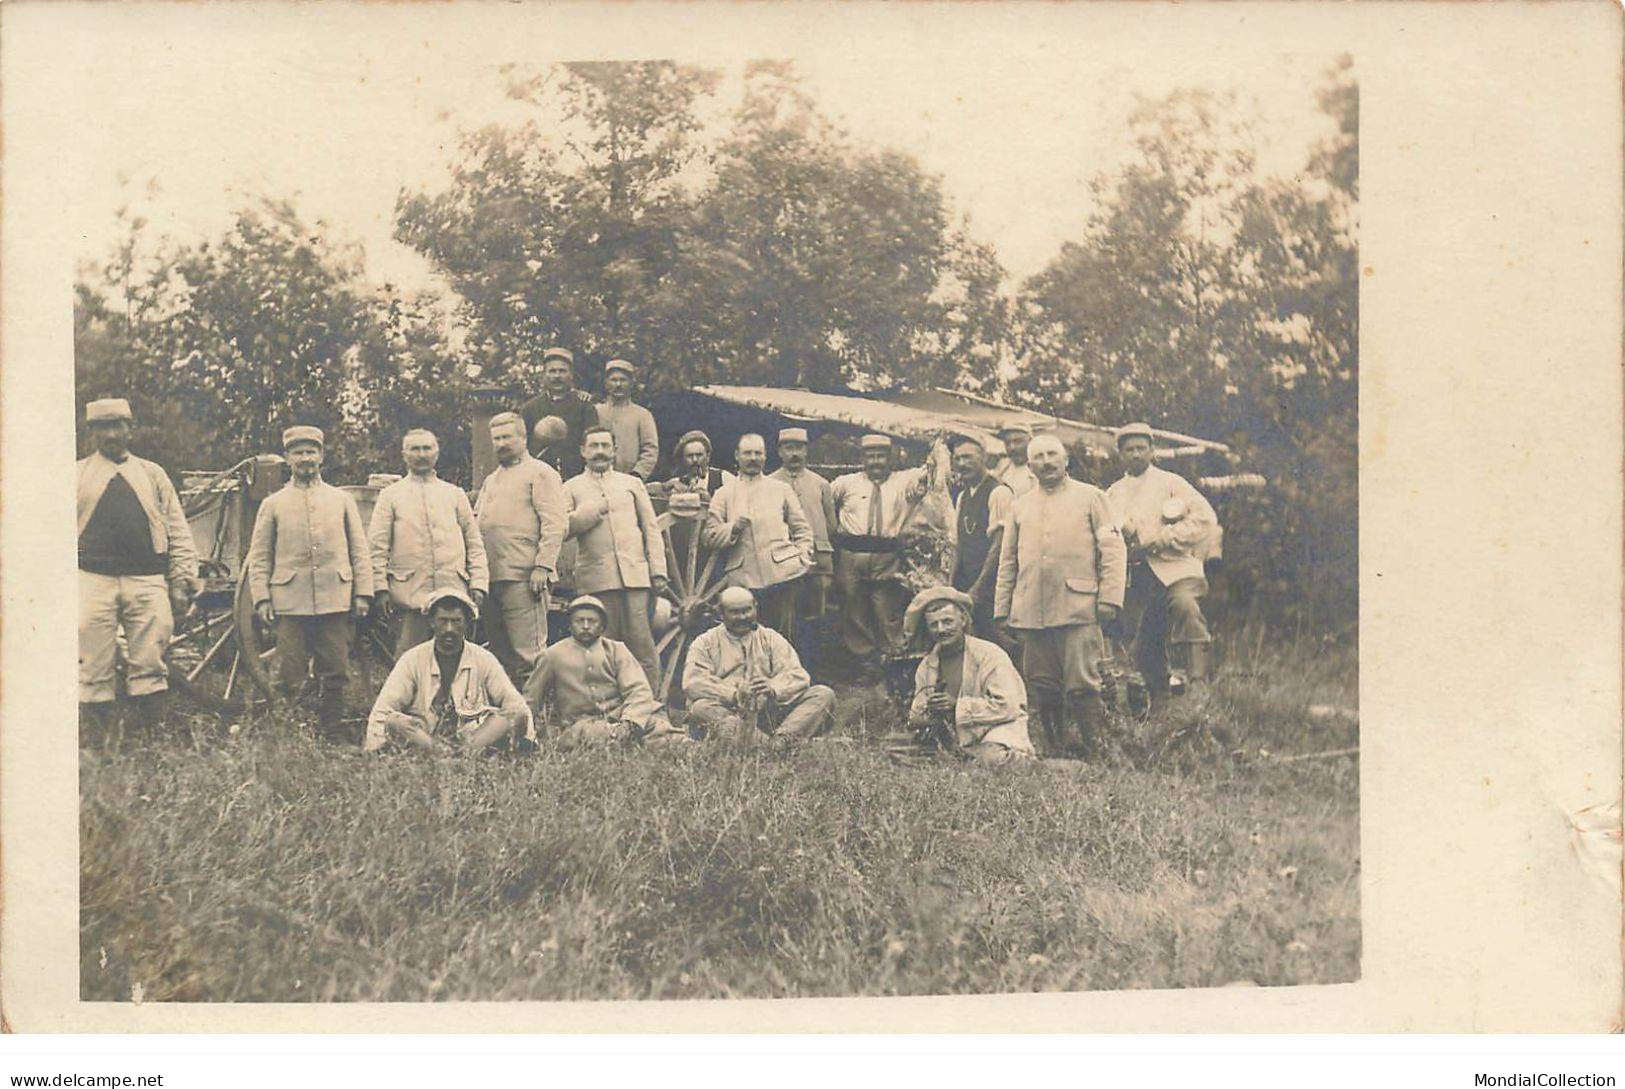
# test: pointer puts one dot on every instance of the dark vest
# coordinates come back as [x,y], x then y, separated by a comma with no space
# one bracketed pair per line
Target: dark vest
[974,540]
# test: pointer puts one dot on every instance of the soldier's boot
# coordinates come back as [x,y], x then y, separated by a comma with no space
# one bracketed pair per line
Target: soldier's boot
[1199,662]
[330,711]
[1047,713]
[150,711]
[97,723]
[1086,719]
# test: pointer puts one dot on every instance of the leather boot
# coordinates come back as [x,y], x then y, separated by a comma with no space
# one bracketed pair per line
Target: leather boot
[330,711]
[96,724]
[1197,662]
[150,710]
[1086,717]
[1047,713]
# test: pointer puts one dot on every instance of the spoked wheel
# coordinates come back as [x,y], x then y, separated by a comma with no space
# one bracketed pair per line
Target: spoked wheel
[214,658]
[690,607]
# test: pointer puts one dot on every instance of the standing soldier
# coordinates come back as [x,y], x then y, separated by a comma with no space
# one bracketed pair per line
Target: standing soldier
[769,543]
[424,539]
[980,512]
[620,554]
[310,575]
[521,512]
[637,440]
[814,493]
[137,564]
[1016,474]
[1061,573]
[870,509]
[1167,525]
[559,397]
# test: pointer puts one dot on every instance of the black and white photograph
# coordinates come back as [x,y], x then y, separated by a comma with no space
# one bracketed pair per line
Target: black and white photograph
[791,520]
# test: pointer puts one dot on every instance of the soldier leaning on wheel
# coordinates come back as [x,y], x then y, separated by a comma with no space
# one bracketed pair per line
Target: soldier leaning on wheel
[310,576]
[137,565]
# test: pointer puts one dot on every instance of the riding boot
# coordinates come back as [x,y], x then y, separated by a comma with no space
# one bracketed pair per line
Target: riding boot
[1047,715]
[330,711]
[1086,716]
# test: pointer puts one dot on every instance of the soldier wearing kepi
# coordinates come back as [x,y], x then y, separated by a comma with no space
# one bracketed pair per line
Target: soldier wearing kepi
[310,576]
[980,512]
[744,681]
[814,493]
[1016,474]
[769,545]
[968,697]
[1167,525]
[620,554]
[1061,574]
[592,691]
[559,397]
[637,439]
[448,695]
[137,565]
[870,509]
[522,517]
[424,539]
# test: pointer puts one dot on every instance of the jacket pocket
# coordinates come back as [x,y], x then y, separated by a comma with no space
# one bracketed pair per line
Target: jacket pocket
[281,578]
[1082,585]
[784,552]
[345,574]
[400,574]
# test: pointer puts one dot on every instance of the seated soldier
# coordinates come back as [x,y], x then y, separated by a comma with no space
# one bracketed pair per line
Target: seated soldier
[447,694]
[743,680]
[968,697]
[592,690]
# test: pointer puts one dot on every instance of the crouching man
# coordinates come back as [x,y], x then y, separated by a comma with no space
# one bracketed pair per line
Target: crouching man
[591,690]
[448,694]
[743,680]
[968,697]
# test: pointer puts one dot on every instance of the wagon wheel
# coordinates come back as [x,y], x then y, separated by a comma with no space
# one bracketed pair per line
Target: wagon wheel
[211,660]
[695,581]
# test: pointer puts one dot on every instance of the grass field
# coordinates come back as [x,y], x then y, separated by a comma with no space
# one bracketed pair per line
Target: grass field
[266,867]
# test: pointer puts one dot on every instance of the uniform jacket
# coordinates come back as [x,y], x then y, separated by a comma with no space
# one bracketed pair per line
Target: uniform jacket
[308,555]
[992,704]
[776,547]
[522,517]
[1061,552]
[171,534]
[578,412]
[424,537]
[637,440]
[816,503]
[719,665]
[1173,549]
[619,542]
[599,681]
[480,687]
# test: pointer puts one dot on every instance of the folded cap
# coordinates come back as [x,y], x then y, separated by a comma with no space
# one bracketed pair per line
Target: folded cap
[302,433]
[1020,427]
[449,593]
[587,601]
[619,365]
[559,353]
[108,409]
[1134,430]
[875,442]
[956,441]
[792,434]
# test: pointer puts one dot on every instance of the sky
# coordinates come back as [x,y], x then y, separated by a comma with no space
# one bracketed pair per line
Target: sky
[185,113]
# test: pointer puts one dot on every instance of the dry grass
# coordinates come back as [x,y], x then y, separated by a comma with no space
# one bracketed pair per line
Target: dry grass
[266,867]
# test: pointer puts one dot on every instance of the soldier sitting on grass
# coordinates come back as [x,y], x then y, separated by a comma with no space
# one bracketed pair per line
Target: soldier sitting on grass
[592,690]
[448,694]
[968,698]
[744,681]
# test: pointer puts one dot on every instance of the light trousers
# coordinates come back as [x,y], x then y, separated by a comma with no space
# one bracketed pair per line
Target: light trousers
[140,605]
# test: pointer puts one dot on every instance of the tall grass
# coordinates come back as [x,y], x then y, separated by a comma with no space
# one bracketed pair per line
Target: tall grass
[264,866]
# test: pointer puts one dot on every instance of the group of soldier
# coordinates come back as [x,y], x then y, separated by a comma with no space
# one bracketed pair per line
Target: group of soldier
[1040,563]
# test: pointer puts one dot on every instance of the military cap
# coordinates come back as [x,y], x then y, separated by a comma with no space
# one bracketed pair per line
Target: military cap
[449,593]
[692,436]
[1018,426]
[875,442]
[302,433]
[792,434]
[587,601]
[1133,431]
[107,410]
[619,365]
[559,353]
[956,441]
[935,595]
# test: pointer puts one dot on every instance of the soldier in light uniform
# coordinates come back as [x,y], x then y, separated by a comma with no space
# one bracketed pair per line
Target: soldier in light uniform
[522,517]
[310,575]
[637,439]
[1061,575]
[1167,525]
[424,539]
[744,681]
[1015,473]
[137,565]
[768,543]
[968,698]
[819,508]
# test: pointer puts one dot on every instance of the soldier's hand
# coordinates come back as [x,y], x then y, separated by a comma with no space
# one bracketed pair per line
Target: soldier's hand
[939,703]
[382,607]
[661,584]
[741,524]
[758,686]
[266,614]
[539,577]
[360,607]
[180,594]
[479,598]
[1106,613]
